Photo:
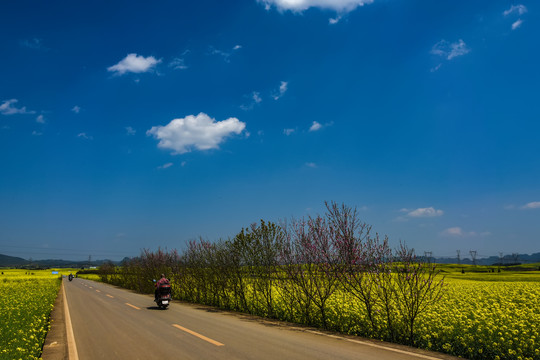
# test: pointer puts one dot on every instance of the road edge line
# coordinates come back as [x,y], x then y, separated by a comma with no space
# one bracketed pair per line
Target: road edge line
[72,346]
[376,346]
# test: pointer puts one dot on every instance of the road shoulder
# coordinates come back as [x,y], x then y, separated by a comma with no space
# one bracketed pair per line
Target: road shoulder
[55,346]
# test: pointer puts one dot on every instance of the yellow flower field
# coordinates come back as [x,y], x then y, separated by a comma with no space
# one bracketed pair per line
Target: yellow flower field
[26,300]
[485,320]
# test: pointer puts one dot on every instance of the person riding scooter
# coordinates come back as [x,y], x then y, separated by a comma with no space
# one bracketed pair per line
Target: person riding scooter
[160,282]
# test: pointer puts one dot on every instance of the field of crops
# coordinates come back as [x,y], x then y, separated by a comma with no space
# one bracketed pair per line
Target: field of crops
[26,300]
[492,320]
[480,316]
[485,320]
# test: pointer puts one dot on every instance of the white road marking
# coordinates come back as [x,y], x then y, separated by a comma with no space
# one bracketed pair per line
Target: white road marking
[376,346]
[112,297]
[214,342]
[72,346]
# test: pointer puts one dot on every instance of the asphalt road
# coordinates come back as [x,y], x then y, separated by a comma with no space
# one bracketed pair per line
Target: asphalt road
[112,323]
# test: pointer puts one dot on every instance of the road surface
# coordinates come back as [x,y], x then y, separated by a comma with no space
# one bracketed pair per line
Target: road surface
[106,322]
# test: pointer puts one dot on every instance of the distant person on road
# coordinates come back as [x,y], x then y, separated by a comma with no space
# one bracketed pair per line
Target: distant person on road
[160,282]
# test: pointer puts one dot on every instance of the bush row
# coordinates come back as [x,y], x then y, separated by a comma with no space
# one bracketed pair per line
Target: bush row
[298,271]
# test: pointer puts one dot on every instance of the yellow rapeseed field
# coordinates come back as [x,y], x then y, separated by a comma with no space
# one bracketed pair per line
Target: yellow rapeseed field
[485,320]
[26,300]
[492,320]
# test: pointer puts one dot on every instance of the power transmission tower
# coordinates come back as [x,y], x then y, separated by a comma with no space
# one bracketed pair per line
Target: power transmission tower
[515,257]
[427,255]
[473,256]
[458,257]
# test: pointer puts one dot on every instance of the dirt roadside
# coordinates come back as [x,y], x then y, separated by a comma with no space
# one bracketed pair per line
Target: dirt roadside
[55,347]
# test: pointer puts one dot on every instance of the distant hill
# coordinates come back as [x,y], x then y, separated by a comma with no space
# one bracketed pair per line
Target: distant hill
[493,260]
[12,261]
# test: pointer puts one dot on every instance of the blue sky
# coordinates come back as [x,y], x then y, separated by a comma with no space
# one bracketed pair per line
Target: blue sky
[133,124]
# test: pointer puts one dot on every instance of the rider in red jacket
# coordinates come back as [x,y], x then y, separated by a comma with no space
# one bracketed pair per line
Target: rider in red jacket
[160,282]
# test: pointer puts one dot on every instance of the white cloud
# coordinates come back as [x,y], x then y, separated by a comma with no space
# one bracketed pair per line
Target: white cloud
[520,9]
[35,44]
[35,133]
[178,64]
[301,5]
[8,108]
[76,109]
[517,24]
[165,166]
[85,136]
[450,50]
[459,232]
[333,21]
[282,89]
[225,54]
[435,68]
[531,205]
[195,132]
[453,231]
[256,97]
[135,64]
[425,212]
[130,130]
[288,131]
[311,165]
[315,126]
[40,119]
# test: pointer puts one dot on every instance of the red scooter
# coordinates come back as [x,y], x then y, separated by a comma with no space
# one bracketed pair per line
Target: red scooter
[163,296]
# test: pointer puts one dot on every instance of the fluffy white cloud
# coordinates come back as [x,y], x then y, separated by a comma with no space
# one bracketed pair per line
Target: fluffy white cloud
[531,205]
[517,24]
[8,108]
[200,132]
[282,89]
[425,212]
[315,126]
[311,165]
[301,5]
[76,109]
[450,50]
[135,64]
[520,9]
[40,119]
